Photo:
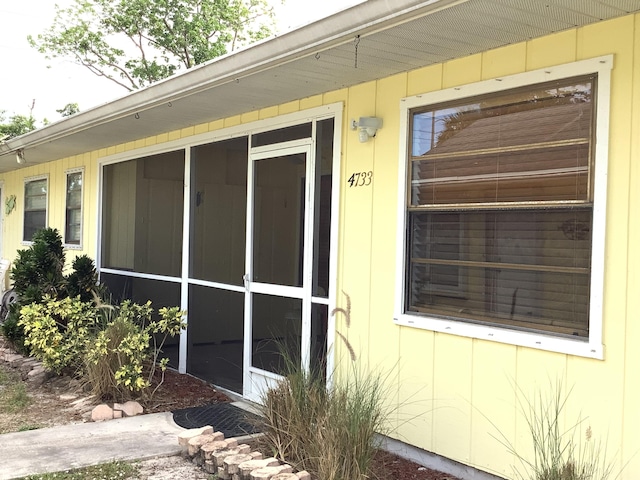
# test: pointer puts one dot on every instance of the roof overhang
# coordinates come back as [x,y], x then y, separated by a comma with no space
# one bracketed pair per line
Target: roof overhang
[372,40]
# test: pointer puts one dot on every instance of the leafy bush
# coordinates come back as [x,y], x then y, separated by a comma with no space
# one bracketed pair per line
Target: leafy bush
[38,272]
[58,331]
[83,280]
[112,348]
[125,353]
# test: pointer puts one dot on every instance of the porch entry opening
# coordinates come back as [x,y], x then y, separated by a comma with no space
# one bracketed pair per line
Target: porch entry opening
[255,275]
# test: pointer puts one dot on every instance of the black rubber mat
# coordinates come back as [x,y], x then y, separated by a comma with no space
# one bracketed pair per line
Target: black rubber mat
[223,417]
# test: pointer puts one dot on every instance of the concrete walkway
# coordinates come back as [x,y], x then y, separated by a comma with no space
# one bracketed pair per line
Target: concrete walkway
[73,446]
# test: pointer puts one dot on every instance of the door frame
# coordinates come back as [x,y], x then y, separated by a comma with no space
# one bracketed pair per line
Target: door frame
[256,379]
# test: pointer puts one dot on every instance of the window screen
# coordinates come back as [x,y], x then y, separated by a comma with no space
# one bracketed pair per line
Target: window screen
[500,208]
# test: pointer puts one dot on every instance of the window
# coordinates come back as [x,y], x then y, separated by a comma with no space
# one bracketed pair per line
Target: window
[499,208]
[142,214]
[73,218]
[35,207]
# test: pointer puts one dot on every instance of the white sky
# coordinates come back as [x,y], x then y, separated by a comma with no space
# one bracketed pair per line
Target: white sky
[26,75]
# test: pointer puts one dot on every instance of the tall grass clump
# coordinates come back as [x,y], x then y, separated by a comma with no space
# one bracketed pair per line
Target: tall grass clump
[559,452]
[328,431]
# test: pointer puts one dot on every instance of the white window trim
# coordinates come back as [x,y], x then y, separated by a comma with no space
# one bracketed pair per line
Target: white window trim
[34,178]
[592,347]
[71,171]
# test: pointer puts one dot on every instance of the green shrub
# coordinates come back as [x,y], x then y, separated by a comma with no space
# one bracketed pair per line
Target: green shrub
[125,353]
[115,349]
[58,331]
[83,280]
[38,272]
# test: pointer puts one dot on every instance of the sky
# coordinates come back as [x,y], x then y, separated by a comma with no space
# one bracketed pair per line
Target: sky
[25,74]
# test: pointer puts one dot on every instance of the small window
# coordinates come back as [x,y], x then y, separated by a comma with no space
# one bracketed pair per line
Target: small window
[498,221]
[73,218]
[35,207]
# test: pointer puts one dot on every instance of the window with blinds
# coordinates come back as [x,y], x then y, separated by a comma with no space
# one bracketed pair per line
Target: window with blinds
[73,217]
[499,208]
[35,207]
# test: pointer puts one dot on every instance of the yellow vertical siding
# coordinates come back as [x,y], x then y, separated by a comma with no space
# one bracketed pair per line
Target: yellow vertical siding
[631,394]
[356,221]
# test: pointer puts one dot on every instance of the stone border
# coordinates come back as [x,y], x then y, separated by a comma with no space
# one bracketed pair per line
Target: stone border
[233,461]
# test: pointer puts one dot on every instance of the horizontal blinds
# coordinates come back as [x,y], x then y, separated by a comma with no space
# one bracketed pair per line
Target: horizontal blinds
[499,209]
[518,146]
[530,267]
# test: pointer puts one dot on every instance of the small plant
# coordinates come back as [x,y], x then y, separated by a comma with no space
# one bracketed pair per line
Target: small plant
[106,471]
[558,453]
[125,354]
[330,432]
[14,398]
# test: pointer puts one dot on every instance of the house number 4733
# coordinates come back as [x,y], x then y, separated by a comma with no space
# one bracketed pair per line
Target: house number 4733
[360,179]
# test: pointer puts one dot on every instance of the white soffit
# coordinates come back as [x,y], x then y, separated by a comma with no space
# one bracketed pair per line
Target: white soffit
[394,36]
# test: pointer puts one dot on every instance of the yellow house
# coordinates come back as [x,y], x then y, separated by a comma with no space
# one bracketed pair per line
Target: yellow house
[467,172]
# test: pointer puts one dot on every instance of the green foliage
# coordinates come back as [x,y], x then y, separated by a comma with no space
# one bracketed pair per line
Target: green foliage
[69,109]
[58,331]
[328,432]
[16,125]
[13,396]
[106,471]
[165,35]
[13,332]
[111,347]
[559,453]
[38,272]
[125,353]
[83,280]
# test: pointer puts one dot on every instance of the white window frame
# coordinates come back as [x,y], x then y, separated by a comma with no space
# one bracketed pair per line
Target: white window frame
[24,202]
[67,173]
[591,347]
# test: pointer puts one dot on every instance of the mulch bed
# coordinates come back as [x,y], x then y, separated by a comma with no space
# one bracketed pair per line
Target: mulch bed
[184,391]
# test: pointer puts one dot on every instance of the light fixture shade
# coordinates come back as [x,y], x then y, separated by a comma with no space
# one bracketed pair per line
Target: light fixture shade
[20,156]
[367,127]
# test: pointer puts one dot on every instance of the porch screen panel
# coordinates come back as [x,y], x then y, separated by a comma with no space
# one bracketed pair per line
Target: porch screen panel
[142,211]
[322,213]
[216,336]
[139,290]
[219,211]
[278,234]
[276,328]
[500,208]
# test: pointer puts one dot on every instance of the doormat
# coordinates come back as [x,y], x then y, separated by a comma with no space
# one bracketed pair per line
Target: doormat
[223,417]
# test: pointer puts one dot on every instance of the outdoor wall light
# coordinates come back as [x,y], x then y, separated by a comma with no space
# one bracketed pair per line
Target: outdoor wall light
[20,156]
[367,127]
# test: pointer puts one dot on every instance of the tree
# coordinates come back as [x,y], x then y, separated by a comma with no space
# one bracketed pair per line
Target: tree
[137,42]
[68,110]
[17,125]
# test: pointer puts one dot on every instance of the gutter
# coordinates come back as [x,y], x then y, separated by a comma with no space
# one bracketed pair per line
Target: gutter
[338,29]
